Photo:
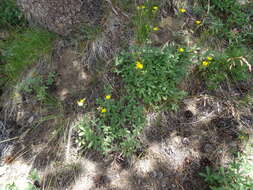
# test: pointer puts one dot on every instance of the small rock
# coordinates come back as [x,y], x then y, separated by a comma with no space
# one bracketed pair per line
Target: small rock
[185,141]
[154,174]
[30,120]
[233,144]
[160,175]
[164,184]
[208,148]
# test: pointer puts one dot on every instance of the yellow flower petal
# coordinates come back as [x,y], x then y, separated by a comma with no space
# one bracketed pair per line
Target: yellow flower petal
[156,28]
[138,65]
[103,110]
[182,10]
[209,58]
[81,102]
[197,22]
[108,97]
[155,8]
[181,50]
[205,63]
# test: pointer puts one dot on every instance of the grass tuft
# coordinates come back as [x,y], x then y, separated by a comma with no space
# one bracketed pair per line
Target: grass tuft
[21,50]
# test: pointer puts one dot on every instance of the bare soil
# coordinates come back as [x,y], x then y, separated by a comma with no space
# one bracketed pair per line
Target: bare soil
[176,146]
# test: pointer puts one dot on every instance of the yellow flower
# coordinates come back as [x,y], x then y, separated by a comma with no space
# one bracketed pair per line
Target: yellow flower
[209,58]
[205,63]
[155,8]
[241,137]
[141,7]
[197,22]
[138,65]
[156,28]
[181,50]
[103,110]
[108,97]
[81,102]
[182,10]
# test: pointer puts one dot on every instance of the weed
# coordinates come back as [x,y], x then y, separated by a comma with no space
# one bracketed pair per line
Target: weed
[10,15]
[11,186]
[33,176]
[235,176]
[22,50]
[227,20]
[231,65]
[144,21]
[38,86]
[114,126]
[90,32]
[152,75]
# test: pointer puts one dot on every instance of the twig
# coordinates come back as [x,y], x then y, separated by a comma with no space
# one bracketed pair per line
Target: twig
[7,140]
[199,119]
[208,7]
[114,10]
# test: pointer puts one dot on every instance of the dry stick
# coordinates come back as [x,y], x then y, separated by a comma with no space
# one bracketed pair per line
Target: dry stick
[199,119]
[208,7]
[68,141]
[7,140]
[109,1]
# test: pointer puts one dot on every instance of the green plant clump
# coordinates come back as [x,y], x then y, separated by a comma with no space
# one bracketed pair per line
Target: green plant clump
[228,20]
[22,50]
[10,15]
[235,177]
[144,21]
[114,126]
[234,64]
[152,75]
[33,176]
[38,86]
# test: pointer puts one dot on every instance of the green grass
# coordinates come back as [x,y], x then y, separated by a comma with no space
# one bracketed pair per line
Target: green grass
[236,176]
[144,21]
[22,50]
[10,15]
[232,65]
[226,20]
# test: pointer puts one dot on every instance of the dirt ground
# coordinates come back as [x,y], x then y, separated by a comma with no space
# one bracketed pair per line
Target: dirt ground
[176,146]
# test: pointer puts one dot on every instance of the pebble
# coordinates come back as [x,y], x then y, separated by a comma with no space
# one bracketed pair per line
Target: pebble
[208,148]
[30,120]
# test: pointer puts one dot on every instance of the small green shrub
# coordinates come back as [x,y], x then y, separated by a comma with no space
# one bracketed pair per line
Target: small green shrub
[33,176]
[152,75]
[22,50]
[10,15]
[227,20]
[89,31]
[114,126]
[38,86]
[231,65]
[11,186]
[234,177]
[144,21]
